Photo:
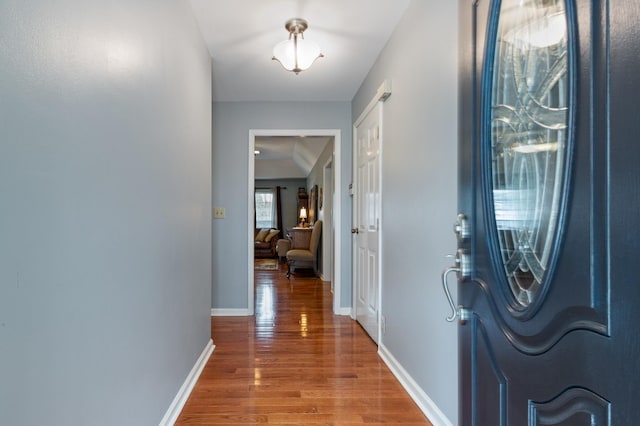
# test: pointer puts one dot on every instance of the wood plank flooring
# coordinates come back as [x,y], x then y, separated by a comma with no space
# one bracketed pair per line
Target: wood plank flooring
[295,363]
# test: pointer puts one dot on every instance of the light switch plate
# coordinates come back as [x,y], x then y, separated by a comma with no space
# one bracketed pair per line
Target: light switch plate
[218,213]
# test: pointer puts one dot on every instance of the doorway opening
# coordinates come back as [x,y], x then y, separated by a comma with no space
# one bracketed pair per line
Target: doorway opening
[331,192]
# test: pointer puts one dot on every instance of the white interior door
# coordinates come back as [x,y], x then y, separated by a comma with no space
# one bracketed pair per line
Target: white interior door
[367,220]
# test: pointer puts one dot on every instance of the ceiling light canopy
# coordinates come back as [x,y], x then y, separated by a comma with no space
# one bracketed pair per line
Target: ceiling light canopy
[296,54]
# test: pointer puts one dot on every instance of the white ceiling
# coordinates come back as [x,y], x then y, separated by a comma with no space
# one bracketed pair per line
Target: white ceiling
[288,156]
[240,35]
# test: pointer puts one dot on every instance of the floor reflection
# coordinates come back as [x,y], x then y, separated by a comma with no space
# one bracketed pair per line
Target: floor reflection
[296,363]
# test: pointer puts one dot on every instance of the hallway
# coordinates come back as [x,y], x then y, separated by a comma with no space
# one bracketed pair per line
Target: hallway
[295,363]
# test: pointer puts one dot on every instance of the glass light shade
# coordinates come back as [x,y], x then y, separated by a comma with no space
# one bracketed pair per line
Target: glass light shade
[303,213]
[296,54]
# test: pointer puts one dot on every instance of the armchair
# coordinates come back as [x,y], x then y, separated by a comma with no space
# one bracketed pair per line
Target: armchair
[309,254]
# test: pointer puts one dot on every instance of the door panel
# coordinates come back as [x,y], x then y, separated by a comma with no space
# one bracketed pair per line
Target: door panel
[574,406]
[547,336]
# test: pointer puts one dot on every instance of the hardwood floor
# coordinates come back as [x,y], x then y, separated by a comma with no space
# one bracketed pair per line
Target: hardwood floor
[295,363]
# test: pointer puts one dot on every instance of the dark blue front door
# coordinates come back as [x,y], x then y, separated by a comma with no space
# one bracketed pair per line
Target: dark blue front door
[549,189]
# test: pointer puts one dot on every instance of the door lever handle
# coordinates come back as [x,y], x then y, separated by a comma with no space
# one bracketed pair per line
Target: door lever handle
[445,287]
[355,231]
[462,269]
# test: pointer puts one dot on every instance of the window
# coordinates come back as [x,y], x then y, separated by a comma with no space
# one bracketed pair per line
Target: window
[265,208]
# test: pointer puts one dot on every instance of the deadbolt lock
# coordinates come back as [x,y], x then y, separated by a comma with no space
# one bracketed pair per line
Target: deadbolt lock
[461,227]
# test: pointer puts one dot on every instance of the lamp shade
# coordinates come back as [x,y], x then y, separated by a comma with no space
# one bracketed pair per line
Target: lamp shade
[303,213]
[296,54]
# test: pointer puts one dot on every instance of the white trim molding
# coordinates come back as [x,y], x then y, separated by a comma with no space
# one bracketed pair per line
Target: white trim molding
[343,311]
[231,313]
[426,404]
[177,405]
[382,94]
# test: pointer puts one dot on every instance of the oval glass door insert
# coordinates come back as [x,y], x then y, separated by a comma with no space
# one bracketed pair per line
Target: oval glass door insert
[529,116]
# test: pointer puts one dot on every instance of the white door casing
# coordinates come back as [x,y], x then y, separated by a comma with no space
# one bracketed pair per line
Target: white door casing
[337,208]
[326,212]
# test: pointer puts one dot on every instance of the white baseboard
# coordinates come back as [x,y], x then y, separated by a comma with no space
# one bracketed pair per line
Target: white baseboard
[343,311]
[176,406]
[230,313]
[426,404]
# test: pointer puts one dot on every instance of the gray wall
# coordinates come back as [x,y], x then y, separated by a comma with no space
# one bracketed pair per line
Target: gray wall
[231,124]
[289,199]
[419,193]
[316,177]
[316,174]
[105,254]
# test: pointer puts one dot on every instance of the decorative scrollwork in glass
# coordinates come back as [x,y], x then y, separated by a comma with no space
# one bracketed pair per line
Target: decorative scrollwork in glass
[529,121]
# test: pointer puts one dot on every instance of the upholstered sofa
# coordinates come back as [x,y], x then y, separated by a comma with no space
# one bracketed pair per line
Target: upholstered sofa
[265,242]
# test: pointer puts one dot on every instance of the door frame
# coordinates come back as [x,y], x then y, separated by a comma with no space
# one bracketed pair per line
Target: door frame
[327,226]
[337,206]
[381,95]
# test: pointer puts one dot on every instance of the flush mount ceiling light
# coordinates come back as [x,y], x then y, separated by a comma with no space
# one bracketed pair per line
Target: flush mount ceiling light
[296,54]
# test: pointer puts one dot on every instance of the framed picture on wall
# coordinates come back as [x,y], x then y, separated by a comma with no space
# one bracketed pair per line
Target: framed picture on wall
[320,199]
[313,204]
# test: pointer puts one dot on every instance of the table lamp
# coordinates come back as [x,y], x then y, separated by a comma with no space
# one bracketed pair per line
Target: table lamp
[303,216]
